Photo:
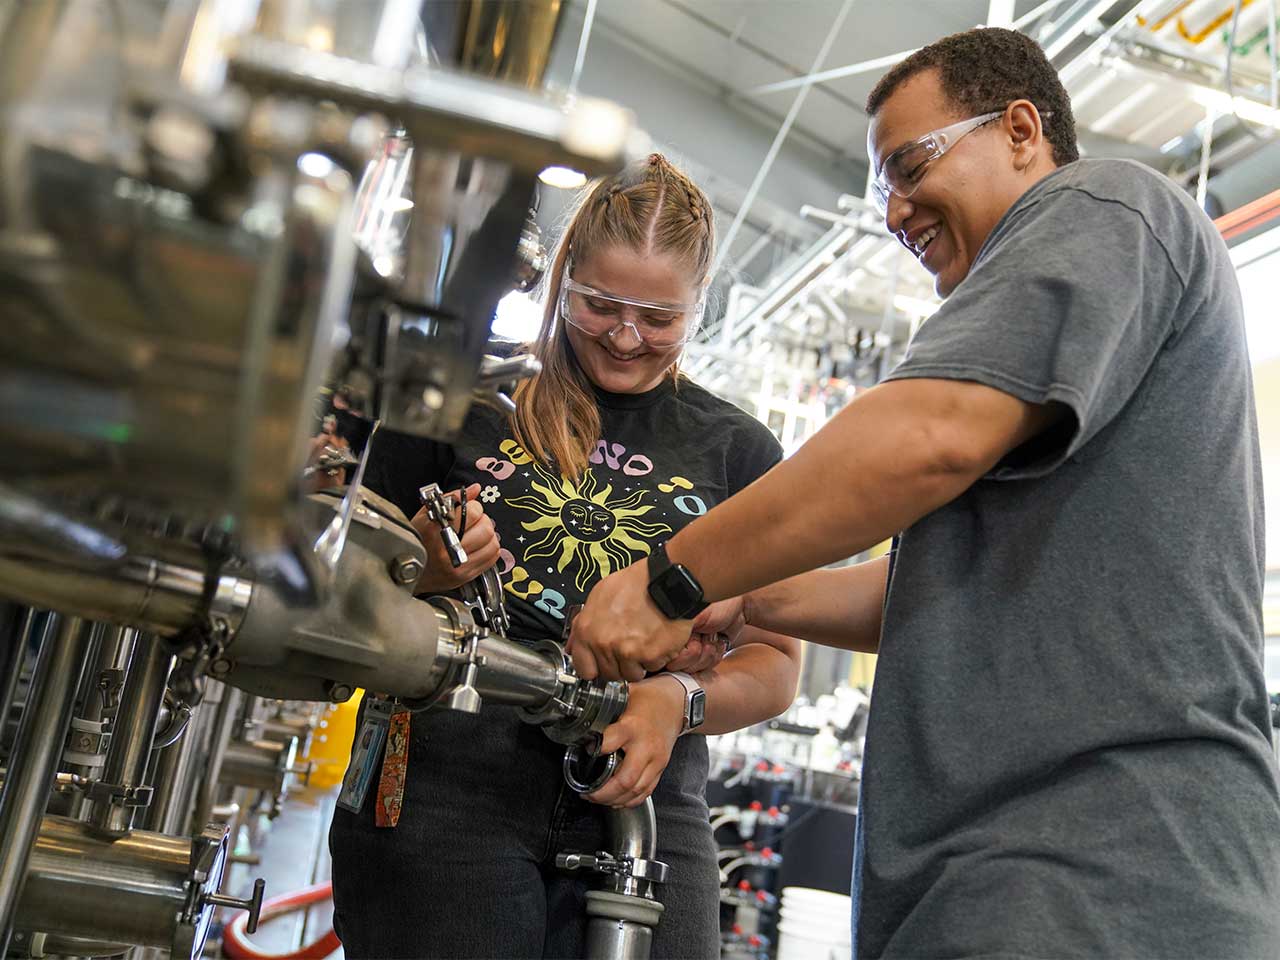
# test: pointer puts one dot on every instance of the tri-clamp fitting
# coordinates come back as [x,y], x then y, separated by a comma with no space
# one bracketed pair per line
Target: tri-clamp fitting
[623,915]
[578,717]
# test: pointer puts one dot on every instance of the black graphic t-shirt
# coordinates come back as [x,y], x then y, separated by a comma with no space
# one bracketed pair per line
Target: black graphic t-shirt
[665,457]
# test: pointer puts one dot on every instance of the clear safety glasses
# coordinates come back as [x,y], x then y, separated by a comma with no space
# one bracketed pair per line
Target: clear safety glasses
[905,167]
[657,325]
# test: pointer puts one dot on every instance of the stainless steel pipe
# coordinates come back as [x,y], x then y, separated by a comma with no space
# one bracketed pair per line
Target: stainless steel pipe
[140,591]
[139,888]
[259,765]
[175,776]
[514,674]
[34,760]
[132,731]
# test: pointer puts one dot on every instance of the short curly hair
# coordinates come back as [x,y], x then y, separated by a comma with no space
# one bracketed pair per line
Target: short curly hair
[986,69]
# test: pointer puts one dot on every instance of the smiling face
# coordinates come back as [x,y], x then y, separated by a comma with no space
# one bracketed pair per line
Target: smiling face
[961,195]
[621,363]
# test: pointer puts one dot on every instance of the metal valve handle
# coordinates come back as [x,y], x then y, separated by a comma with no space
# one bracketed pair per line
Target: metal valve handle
[439,507]
[253,904]
[330,544]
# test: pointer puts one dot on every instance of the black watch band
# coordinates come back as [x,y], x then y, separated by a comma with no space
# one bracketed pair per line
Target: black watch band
[674,590]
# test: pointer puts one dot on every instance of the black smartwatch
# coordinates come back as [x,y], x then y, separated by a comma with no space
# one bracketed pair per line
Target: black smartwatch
[674,590]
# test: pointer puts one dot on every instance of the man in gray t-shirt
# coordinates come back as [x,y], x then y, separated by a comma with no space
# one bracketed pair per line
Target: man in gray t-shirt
[1068,752]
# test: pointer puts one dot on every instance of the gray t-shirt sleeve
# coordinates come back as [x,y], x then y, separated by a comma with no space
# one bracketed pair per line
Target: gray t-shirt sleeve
[1070,301]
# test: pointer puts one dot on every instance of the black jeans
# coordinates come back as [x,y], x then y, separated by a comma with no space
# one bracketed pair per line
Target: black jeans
[470,869]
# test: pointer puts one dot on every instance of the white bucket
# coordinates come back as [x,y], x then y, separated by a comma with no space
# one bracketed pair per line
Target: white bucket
[804,943]
[813,897]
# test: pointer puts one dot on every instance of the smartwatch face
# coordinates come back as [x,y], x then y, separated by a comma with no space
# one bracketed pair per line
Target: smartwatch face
[677,591]
[697,708]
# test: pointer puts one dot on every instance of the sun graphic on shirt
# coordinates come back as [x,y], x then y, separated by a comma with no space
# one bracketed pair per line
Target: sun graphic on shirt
[580,524]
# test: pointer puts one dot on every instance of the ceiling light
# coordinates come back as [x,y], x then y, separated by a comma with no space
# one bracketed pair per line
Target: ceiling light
[565,178]
[1242,107]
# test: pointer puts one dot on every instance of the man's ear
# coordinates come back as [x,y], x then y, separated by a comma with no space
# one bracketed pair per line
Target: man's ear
[1026,132]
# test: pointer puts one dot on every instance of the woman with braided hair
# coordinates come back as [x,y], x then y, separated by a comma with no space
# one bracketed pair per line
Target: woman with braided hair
[610,451]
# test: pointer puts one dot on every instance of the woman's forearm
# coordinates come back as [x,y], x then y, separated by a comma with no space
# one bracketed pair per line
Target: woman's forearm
[836,608]
[754,682]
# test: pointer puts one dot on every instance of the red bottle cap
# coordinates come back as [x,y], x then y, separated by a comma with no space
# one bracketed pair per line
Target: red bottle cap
[756,805]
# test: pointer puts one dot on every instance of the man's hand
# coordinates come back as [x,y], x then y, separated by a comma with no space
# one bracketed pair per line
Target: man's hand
[620,634]
[646,733]
[702,652]
[725,618]
[479,540]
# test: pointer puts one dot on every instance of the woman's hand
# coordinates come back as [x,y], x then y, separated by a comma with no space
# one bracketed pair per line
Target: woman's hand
[702,652]
[726,618]
[646,733]
[316,446]
[479,540]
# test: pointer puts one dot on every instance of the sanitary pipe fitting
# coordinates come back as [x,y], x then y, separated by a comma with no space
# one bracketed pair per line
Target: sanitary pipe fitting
[140,888]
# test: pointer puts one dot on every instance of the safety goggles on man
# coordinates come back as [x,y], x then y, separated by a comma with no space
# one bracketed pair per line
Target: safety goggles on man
[904,169]
[657,325]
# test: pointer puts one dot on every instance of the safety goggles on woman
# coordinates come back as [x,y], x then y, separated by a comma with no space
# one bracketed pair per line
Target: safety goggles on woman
[904,169]
[657,325]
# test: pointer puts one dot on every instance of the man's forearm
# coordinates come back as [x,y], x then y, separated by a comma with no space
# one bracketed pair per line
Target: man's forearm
[892,456]
[754,682]
[836,608]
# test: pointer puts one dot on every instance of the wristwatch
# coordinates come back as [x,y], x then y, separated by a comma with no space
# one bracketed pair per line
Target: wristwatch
[695,702]
[674,590]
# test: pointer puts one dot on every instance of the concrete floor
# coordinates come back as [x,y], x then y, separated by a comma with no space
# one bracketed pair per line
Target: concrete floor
[294,853]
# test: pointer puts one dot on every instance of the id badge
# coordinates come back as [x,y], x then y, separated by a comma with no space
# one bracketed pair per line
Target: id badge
[366,754]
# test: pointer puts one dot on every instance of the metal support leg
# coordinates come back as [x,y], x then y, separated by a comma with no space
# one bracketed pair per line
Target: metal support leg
[34,761]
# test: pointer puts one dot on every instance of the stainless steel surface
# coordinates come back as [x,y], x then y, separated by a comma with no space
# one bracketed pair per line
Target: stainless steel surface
[175,777]
[41,945]
[223,721]
[98,699]
[633,832]
[34,760]
[368,632]
[136,888]
[265,765]
[48,532]
[621,917]
[450,111]
[609,938]
[509,40]
[121,789]
[512,673]
[140,590]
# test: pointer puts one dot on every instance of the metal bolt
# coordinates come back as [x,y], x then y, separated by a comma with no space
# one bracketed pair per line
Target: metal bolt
[340,692]
[405,569]
[220,667]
